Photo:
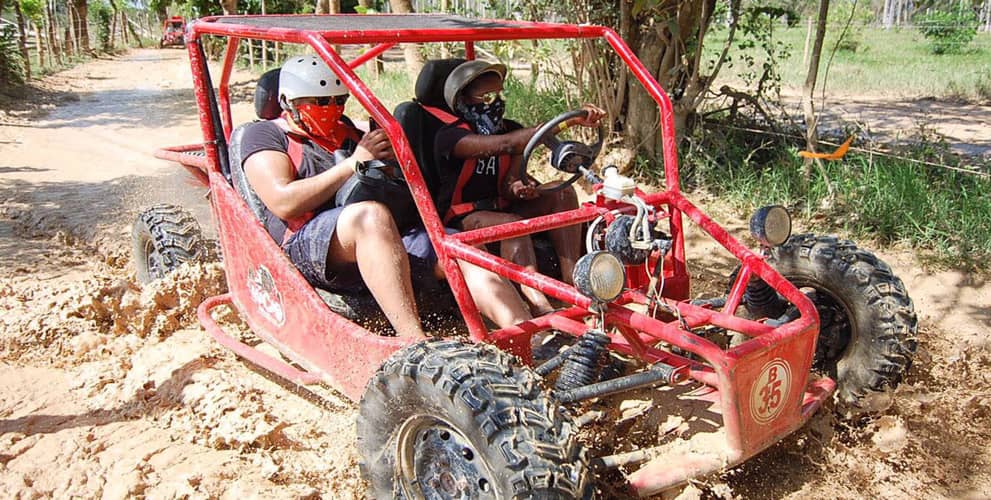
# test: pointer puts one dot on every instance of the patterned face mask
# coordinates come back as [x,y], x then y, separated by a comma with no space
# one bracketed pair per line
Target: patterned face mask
[487,118]
[321,121]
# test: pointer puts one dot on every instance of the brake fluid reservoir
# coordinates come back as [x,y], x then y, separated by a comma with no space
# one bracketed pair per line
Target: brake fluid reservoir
[616,186]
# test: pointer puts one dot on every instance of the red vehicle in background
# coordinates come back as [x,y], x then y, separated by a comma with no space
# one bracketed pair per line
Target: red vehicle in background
[803,318]
[172,32]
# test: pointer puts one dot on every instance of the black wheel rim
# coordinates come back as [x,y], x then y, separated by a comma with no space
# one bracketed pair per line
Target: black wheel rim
[436,461]
[836,331]
[154,261]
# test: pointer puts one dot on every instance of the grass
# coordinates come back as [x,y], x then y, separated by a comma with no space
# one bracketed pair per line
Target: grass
[944,214]
[894,63]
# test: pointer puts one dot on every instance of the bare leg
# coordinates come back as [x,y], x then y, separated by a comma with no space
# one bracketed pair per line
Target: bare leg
[567,240]
[516,250]
[367,235]
[495,297]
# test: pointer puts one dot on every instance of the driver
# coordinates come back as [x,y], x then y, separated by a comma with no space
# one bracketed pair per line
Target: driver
[290,163]
[479,156]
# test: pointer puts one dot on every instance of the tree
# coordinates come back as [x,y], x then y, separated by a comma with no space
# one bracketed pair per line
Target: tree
[328,7]
[667,36]
[808,90]
[23,39]
[414,60]
[80,25]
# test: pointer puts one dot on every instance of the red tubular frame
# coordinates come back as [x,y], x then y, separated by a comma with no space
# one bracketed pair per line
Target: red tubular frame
[344,355]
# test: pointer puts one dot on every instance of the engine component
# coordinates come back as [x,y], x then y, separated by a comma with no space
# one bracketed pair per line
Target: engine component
[762,301]
[583,361]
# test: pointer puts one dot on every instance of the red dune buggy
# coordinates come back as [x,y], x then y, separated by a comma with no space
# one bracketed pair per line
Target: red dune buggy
[804,317]
[172,30]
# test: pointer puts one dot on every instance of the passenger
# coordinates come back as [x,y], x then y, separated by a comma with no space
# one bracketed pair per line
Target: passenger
[479,156]
[290,163]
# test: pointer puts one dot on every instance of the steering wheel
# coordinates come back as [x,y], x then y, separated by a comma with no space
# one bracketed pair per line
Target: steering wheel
[566,156]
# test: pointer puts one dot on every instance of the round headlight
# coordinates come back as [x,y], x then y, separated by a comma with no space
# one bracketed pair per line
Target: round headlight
[771,226]
[600,276]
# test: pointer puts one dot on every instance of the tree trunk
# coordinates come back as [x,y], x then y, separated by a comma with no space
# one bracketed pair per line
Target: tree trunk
[23,40]
[134,32]
[264,50]
[113,25]
[39,45]
[53,44]
[377,66]
[642,120]
[125,36]
[445,50]
[81,26]
[229,6]
[808,90]
[414,60]
[328,6]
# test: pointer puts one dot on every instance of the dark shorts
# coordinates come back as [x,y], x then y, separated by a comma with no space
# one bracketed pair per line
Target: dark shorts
[307,249]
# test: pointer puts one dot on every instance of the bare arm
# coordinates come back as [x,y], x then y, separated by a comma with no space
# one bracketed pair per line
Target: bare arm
[272,175]
[480,146]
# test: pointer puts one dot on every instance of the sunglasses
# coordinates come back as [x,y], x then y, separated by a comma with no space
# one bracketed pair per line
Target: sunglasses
[490,97]
[339,100]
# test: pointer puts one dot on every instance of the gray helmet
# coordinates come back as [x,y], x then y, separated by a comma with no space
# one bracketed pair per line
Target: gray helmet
[466,73]
[308,76]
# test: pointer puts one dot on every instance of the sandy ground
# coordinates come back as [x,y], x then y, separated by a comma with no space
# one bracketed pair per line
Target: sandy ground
[110,389]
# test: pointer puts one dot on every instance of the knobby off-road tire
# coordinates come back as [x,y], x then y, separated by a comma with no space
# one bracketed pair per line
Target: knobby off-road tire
[162,238]
[867,321]
[446,419]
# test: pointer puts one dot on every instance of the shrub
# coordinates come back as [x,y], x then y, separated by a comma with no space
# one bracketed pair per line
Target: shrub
[11,65]
[854,17]
[948,32]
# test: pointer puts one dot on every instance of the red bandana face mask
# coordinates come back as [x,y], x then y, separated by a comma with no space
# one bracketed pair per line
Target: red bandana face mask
[321,121]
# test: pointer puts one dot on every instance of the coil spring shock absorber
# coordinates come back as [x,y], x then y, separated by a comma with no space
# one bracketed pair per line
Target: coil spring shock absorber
[762,301]
[582,364]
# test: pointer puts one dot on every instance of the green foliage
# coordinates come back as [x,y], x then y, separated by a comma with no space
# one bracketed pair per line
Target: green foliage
[896,64]
[948,32]
[33,9]
[529,104]
[11,64]
[100,14]
[945,213]
[758,50]
[855,16]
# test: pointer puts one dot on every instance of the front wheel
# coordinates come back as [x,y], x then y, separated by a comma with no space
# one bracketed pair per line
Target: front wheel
[867,336]
[163,237]
[446,419]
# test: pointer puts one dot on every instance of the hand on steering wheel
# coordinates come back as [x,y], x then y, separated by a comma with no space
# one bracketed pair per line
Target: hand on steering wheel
[567,156]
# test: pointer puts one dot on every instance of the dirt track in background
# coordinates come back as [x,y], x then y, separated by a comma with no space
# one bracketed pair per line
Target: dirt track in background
[110,389]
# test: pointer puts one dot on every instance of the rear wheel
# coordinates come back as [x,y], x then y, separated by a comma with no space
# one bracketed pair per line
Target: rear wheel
[446,419]
[868,325]
[163,237]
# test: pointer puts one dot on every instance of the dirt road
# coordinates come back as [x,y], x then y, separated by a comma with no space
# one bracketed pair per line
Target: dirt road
[111,390]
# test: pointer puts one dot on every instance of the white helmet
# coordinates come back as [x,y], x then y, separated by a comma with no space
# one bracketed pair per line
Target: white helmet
[307,76]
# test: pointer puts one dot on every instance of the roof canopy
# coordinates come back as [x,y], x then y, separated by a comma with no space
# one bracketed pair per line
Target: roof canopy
[379,28]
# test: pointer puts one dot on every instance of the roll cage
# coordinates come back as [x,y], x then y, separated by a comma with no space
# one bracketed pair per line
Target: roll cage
[737,376]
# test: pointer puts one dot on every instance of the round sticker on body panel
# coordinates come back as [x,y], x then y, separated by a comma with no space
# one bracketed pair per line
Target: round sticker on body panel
[769,393]
[261,287]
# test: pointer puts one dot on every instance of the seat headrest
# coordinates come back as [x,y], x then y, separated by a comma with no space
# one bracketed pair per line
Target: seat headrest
[430,83]
[267,96]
